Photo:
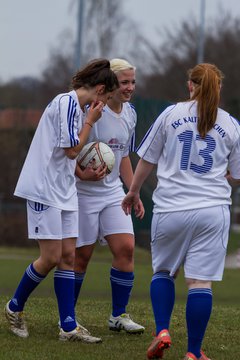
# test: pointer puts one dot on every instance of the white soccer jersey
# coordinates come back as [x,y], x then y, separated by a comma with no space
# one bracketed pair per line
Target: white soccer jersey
[47,175]
[117,131]
[191,170]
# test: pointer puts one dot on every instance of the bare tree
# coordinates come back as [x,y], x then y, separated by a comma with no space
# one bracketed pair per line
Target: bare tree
[109,32]
[101,26]
[171,60]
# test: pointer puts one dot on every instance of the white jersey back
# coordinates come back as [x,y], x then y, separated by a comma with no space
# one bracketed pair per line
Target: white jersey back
[117,131]
[191,170]
[47,175]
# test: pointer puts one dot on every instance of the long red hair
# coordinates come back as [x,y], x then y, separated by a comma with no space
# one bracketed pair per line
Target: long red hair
[206,79]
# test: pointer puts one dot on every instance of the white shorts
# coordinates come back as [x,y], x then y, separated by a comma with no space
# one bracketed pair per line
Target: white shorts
[101,216]
[46,222]
[196,239]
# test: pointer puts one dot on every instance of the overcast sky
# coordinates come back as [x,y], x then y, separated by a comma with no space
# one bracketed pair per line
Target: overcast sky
[29,29]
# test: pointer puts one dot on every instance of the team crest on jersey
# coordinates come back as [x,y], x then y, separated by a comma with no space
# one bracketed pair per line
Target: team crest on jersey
[114,144]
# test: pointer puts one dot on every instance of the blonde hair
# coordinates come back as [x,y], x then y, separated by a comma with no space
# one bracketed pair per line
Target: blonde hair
[207,79]
[117,65]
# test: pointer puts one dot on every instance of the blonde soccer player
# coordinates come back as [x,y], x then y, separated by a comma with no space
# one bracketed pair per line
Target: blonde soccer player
[100,213]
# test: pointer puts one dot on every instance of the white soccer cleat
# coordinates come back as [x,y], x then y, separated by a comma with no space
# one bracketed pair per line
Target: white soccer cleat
[78,334]
[78,325]
[124,322]
[17,323]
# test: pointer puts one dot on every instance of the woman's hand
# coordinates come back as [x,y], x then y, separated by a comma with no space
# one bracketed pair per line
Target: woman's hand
[130,201]
[139,210]
[90,174]
[94,112]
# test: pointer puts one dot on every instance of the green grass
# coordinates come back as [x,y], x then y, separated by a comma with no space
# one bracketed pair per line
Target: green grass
[94,308]
[234,242]
[43,343]
[13,262]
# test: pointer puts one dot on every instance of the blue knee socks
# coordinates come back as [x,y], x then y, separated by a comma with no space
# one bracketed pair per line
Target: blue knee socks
[162,292]
[198,311]
[30,280]
[64,283]
[121,283]
[79,277]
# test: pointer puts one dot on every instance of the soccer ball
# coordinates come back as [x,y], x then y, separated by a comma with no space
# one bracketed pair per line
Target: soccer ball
[96,153]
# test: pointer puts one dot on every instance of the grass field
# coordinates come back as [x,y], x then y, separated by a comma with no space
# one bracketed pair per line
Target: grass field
[94,308]
[234,242]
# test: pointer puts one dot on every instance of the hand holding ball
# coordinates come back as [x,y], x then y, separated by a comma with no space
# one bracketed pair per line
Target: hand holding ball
[95,154]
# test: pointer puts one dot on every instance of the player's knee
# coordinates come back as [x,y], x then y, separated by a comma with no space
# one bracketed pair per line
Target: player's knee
[68,259]
[48,263]
[127,253]
[81,263]
[195,283]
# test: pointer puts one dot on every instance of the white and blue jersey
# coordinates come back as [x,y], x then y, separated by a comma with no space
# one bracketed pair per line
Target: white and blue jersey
[118,132]
[47,176]
[191,170]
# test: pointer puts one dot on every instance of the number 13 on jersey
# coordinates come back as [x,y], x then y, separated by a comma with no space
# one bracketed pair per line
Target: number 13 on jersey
[187,137]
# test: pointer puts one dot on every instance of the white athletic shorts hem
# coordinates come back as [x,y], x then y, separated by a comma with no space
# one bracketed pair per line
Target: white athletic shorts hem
[101,216]
[195,239]
[203,278]
[101,239]
[49,223]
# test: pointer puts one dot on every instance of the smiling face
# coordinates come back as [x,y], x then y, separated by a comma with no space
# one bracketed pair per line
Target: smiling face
[127,81]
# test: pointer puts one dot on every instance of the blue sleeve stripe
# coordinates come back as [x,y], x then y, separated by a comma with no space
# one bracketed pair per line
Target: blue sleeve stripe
[164,113]
[236,123]
[144,138]
[132,147]
[232,117]
[70,119]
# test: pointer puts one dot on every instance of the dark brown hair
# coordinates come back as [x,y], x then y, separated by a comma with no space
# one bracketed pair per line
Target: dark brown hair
[94,73]
[207,79]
